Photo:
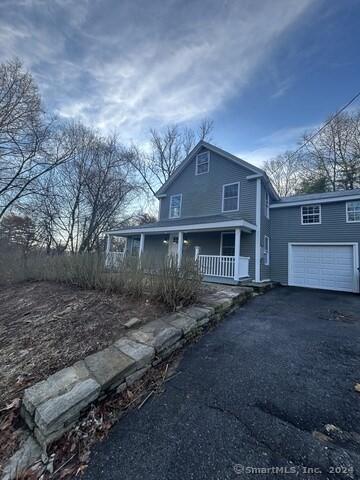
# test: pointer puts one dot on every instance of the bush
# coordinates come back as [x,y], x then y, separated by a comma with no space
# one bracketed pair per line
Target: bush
[176,286]
[161,282]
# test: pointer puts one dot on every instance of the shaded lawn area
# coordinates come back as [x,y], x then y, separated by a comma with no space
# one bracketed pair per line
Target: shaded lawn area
[47,326]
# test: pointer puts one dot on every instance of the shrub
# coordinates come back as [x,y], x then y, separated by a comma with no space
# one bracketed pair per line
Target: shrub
[161,281]
[176,286]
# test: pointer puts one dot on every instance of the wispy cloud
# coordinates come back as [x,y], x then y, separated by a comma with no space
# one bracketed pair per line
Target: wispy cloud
[276,143]
[132,64]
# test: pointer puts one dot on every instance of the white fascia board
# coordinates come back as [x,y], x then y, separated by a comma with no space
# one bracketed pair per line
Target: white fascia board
[187,228]
[316,201]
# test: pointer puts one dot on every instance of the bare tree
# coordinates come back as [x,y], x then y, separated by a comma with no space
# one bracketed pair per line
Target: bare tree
[87,195]
[29,146]
[334,154]
[285,173]
[329,160]
[167,149]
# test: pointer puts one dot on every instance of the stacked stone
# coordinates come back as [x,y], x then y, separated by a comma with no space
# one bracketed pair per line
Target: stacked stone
[53,406]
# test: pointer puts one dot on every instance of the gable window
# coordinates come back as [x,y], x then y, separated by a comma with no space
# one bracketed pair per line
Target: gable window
[227,244]
[353,211]
[202,163]
[175,205]
[266,250]
[267,205]
[310,214]
[230,200]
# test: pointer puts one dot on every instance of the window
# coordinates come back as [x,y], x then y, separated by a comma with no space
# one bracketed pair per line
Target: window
[175,206]
[230,200]
[266,250]
[353,211]
[202,163]
[310,214]
[227,244]
[267,205]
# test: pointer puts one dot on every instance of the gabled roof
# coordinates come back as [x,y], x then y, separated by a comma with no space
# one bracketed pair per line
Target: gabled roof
[202,144]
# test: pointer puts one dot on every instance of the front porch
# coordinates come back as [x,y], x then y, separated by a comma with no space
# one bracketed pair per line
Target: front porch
[223,254]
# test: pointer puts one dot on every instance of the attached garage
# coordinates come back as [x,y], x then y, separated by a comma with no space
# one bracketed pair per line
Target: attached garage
[329,266]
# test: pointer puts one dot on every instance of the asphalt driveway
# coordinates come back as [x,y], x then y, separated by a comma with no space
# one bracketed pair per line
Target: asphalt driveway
[272,387]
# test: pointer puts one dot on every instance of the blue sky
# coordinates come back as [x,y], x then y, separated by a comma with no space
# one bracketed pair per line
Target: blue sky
[263,70]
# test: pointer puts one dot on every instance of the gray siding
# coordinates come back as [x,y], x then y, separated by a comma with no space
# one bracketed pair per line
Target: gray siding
[247,249]
[202,194]
[155,250]
[286,228]
[265,230]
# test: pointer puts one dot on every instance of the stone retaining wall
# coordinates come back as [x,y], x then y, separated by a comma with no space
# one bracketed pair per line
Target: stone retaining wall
[53,406]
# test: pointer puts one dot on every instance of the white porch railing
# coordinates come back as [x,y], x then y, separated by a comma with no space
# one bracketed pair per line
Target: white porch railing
[223,266]
[114,259]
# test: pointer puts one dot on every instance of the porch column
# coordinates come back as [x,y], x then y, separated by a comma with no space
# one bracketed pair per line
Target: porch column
[107,250]
[142,243]
[197,253]
[237,253]
[180,248]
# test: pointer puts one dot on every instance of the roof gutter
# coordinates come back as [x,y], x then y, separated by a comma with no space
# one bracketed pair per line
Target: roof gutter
[315,201]
[186,228]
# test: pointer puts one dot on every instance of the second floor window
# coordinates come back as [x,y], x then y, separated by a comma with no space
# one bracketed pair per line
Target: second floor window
[175,206]
[310,214]
[230,200]
[353,211]
[202,163]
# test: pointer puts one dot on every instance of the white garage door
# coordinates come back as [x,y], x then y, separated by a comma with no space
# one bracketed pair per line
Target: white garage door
[329,267]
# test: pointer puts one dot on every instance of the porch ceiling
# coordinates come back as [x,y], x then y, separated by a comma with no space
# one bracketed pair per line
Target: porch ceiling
[220,222]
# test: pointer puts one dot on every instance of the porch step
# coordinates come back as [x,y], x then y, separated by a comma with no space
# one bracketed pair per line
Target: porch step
[259,287]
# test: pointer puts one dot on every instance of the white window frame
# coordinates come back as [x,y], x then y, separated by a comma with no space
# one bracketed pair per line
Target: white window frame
[171,197]
[347,211]
[302,214]
[197,163]
[267,205]
[238,197]
[266,250]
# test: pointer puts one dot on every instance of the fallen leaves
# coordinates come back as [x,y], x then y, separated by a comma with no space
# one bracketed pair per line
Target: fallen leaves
[357,387]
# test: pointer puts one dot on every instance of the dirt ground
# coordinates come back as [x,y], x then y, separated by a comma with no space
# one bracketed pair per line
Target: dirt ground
[45,327]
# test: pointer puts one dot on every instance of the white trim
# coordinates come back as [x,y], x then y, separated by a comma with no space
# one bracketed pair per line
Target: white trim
[142,244]
[258,231]
[267,262]
[237,253]
[180,248]
[254,176]
[196,163]
[238,197]
[214,149]
[171,197]
[196,226]
[315,201]
[310,223]
[347,214]
[355,246]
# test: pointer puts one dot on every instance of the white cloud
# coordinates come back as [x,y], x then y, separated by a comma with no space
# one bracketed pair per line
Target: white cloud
[130,65]
[276,143]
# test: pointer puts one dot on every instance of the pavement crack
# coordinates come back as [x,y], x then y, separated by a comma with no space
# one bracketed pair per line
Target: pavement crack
[273,411]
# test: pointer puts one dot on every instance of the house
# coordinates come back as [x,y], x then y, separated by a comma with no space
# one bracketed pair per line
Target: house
[224,212]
